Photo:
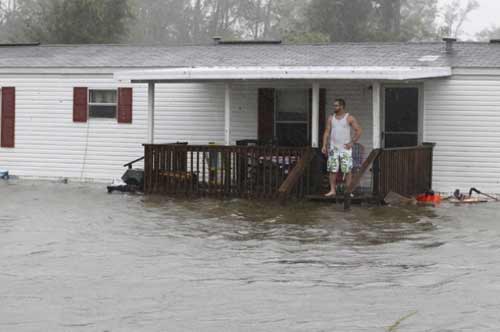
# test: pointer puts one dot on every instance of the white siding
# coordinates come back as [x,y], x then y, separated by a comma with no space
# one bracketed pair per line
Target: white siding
[192,113]
[195,112]
[49,144]
[462,115]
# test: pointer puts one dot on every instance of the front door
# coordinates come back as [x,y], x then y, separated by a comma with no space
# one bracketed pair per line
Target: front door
[401,117]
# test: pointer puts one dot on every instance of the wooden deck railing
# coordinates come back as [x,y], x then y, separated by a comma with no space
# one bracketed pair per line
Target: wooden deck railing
[222,171]
[269,172]
[406,171]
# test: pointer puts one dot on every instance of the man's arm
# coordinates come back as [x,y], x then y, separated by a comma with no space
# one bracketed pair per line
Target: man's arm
[357,131]
[326,135]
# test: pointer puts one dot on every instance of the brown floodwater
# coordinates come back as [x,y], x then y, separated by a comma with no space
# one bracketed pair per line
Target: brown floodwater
[74,258]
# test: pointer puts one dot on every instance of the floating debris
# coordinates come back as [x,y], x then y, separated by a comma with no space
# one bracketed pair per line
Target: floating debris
[4,174]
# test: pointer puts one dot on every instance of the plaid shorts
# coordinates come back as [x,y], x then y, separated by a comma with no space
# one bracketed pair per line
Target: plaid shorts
[339,159]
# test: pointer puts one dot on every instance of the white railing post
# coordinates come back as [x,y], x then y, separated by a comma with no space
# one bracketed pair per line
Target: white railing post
[315,115]
[227,114]
[376,114]
[151,112]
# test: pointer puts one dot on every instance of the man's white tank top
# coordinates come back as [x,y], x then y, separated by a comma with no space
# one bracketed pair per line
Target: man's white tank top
[341,132]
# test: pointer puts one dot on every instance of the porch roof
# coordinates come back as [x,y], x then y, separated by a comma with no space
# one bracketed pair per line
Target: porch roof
[281,72]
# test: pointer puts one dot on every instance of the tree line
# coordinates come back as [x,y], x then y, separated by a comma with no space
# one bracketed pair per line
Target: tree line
[175,22]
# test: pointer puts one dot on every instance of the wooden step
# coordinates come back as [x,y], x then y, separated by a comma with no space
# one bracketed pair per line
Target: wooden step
[356,199]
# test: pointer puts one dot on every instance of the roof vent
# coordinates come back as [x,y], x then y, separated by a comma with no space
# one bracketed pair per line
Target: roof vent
[449,44]
[249,42]
[494,41]
[217,40]
[19,44]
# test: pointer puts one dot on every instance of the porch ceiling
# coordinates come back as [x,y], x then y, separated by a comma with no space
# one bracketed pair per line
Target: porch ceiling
[278,72]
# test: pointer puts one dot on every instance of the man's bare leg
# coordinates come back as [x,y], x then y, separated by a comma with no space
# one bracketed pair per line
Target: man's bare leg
[333,179]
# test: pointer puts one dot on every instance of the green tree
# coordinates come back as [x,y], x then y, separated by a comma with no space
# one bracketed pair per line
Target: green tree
[454,16]
[9,21]
[418,20]
[306,38]
[198,21]
[375,20]
[183,22]
[158,22]
[342,20]
[74,21]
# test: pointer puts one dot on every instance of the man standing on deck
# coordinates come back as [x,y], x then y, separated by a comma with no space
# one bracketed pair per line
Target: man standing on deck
[338,141]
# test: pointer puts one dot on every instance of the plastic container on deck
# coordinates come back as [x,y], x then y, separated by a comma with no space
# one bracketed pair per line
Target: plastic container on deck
[4,174]
[429,198]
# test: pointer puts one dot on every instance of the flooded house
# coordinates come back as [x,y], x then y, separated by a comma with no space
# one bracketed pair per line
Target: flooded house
[250,115]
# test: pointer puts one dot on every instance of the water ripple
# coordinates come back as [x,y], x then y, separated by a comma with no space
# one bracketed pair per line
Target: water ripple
[73,257]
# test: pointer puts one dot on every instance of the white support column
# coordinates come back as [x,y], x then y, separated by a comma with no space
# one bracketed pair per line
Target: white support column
[376,114]
[227,114]
[151,112]
[315,115]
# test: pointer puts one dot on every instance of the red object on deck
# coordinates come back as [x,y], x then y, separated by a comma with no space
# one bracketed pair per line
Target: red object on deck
[429,198]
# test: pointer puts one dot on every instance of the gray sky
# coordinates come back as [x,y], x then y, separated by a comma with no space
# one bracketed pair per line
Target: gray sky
[487,15]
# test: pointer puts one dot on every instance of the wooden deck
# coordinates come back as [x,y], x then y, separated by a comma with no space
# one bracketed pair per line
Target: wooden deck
[223,171]
[269,172]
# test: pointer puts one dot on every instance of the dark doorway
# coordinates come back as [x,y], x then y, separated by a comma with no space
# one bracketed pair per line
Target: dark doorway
[401,117]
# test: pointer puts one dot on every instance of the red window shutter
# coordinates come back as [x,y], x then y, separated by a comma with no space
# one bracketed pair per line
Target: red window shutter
[80,104]
[125,105]
[266,115]
[8,117]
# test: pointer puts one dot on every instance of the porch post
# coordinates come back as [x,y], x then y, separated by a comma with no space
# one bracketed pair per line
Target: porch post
[227,114]
[315,115]
[151,112]
[376,114]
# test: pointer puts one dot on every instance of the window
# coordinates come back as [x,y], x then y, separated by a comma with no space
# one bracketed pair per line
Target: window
[401,116]
[292,117]
[102,103]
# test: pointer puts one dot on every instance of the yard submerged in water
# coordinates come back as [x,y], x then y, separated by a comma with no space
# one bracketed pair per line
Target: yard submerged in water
[73,257]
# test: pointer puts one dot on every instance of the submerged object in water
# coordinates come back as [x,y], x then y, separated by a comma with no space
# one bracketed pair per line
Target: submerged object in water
[4,174]
[470,200]
[458,197]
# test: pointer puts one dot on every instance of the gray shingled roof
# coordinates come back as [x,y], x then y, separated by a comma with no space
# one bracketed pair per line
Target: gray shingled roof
[341,54]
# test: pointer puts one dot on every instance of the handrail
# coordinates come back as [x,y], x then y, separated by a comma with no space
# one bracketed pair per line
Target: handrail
[357,177]
[424,146]
[129,165]
[195,147]
[364,167]
[293,178]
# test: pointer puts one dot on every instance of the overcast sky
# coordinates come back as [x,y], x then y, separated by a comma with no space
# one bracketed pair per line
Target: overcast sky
[487,15]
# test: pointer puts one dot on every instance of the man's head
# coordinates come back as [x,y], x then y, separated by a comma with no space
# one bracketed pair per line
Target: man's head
[338,105]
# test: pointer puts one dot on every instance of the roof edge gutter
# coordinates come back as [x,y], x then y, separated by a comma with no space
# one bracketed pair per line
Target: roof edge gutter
[262,73]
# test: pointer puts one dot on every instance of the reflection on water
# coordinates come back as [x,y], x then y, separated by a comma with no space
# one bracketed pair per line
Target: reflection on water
[75,258]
